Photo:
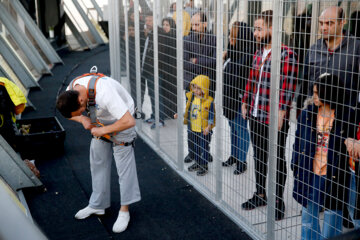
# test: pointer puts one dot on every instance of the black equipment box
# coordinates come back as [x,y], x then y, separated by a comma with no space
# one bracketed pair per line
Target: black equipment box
[45,136]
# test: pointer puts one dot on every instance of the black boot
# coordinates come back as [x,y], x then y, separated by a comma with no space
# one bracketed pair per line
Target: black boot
[254,202]
[240,167]
[188,159]
[231,160]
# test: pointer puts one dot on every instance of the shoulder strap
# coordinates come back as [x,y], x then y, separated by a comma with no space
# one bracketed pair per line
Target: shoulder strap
[91,92]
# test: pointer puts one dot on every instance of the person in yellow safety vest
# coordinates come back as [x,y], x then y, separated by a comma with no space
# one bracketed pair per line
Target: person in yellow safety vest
[12,102]
[186,21]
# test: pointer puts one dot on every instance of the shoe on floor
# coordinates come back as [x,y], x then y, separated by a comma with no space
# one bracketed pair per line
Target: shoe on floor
[202,171]
[254,202]
[161,124]
[210,158]
[279,209]
[231,160]
[86,212]
[150,120]
[240,167]
[194,167]
[121,222]
[188,159]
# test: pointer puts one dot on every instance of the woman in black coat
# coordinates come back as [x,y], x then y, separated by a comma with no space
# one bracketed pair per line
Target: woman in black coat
[167,68]
[320,162]
[237,63]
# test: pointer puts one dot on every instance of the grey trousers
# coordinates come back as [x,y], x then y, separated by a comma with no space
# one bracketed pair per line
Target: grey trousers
[101,154]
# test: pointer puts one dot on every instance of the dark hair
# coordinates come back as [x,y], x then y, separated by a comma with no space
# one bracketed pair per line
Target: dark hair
[68,102]
[245,41]
[267,16]
[171,23]
[331,91]
[341,14]
[203,17]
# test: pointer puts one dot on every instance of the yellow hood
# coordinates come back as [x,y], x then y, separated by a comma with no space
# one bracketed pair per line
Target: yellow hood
[203,82]
[16,95]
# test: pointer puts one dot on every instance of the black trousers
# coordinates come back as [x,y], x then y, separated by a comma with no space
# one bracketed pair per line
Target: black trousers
[259,134]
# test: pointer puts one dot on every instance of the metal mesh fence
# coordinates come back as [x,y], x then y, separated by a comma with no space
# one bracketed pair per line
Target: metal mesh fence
[254,103]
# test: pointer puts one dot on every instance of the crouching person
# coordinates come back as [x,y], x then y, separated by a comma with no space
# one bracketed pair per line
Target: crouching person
[111,123]
[319,160]
[200,117]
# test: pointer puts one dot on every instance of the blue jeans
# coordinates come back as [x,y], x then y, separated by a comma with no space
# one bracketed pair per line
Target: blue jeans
[200,146]
[352,200]
[310,228]
[240,138]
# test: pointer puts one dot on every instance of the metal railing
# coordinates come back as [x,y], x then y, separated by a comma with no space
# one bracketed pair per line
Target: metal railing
[261,154]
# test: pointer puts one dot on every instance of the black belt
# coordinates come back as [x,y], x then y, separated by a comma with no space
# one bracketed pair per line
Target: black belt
[132,143]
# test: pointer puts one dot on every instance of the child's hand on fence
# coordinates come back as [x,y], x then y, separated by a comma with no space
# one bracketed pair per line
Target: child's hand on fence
[207,130]
[175,116]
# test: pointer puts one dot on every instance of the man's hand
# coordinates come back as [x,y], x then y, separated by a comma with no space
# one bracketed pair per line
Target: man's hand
[175,116]
[224,55]
[98,131]
[244,110]
[353,147]
[282,114]
[207,130]
[193,60]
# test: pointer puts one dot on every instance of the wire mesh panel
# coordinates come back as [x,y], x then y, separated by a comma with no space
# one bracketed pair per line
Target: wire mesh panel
[270,92]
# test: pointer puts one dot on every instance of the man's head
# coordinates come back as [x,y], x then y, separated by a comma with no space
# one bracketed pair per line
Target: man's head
[173,7]
[149,21]
[71,103]
[199,23]
[332,21]
[131,30]
[190,3]
[263,27]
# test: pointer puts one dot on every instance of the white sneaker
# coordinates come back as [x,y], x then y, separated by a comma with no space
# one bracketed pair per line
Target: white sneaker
[86,212]
[121,222]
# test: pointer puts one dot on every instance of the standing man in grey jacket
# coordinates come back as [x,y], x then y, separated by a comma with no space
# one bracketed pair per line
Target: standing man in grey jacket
[335,53]
[200,52]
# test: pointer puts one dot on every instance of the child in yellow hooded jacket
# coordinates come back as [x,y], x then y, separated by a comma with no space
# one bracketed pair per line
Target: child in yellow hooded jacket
[200,117]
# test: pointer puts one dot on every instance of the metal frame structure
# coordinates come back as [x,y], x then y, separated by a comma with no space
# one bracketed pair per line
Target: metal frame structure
[23,42]
[17,66]
[35,32]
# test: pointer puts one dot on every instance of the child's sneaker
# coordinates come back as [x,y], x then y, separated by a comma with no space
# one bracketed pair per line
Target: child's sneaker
[203,170]
[150,120]
[194,167]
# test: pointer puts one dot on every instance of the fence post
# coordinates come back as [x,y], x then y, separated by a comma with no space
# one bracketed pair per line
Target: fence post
[127,45]
[114,35]
[274,110]
[156,69]
[137,57]
[180,83]
[219,84]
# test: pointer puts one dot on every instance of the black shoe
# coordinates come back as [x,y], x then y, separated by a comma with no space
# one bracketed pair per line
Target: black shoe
[194,167]
[203,170]
[240,167]
[254,202]
[210,158]
[279,209]
[231,160]
[188,159]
